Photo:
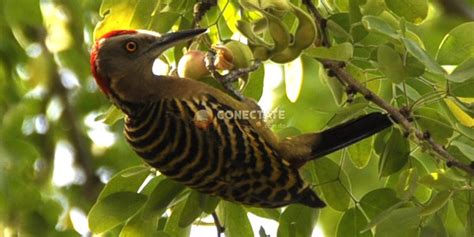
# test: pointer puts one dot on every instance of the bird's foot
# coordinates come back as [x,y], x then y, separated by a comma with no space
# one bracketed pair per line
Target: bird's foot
[228,79]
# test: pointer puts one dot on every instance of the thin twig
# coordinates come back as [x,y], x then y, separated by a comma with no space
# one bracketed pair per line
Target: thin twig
[321,23]
[220,228]
[421,138]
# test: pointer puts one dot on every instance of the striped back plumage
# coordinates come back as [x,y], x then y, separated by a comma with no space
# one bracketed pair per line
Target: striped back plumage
[228,158]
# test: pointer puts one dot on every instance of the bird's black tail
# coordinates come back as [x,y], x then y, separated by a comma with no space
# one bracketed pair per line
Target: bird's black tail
[309,198]
[350,132]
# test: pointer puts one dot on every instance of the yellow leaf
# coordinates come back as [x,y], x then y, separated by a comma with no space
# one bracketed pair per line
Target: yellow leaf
[460,115]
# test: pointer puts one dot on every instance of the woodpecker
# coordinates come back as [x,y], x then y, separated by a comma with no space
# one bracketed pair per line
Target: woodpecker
[238,159]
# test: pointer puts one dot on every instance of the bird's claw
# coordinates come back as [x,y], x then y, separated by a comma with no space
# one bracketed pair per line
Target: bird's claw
[228,79]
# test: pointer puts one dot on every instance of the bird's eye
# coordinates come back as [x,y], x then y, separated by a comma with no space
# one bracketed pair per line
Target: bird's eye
[131,46]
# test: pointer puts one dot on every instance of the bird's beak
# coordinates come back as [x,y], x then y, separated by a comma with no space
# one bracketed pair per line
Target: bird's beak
[168,40]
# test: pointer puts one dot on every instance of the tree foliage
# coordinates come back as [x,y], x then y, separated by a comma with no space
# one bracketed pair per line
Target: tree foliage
[417,56]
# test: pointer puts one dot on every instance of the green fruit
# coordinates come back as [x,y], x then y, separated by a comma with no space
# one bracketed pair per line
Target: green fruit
[287,55]
[261,53]
[246,29]
[306,32]
[278,31]
[281,5]
[260,25]
[242,55]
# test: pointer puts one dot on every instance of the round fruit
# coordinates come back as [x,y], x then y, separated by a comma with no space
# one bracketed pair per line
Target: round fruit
[242,55]
[192,65]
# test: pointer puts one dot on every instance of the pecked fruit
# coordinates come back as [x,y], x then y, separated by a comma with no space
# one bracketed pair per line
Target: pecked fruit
[224,58]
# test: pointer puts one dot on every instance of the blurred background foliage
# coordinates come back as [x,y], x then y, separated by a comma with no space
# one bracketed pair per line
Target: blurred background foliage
[55,156]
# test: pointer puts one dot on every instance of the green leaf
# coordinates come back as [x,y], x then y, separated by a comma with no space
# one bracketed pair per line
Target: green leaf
[337,30]
[414,11]
[378,200]
[360,153]
[463,72]
[340,52]
[422,193]
[434,227]
[254,87]
[465,145]
[377,24]
[269,213]
[391,64]
[139,227]
[440,181]
[470,221]
[462,202]
[120,14]
[126,180]
[114,210]
[235,220]
[383,215]
[297,220]
[208,203]
[373,7]
[414,67]
[230,15]
[403,220]
[354,11]
[457,46]
[15,12]
[466,131]
[164,21]
[333,182]
[435,123]
[351,111]
[111,116]
[463,89]
[395,154]
[191,210]
[352,223]
[336,88]
[380,141]
[359,33]
[436,203]
[161,197]
[456,153]
[416,51]
[172,226]
[407,183]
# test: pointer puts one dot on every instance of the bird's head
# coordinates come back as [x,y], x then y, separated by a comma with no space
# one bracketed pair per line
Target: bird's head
[124,58]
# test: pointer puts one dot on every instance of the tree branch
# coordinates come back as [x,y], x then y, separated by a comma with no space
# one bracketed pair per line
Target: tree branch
[69,117]
[421,138]
[458,7]
[220,228]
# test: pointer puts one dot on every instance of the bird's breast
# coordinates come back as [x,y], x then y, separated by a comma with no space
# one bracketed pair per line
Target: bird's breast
[186,141]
